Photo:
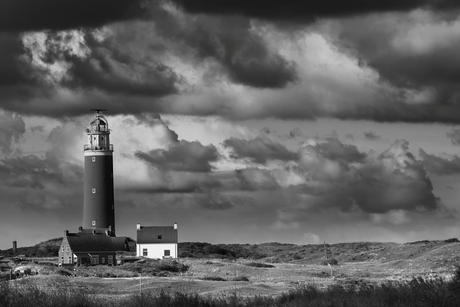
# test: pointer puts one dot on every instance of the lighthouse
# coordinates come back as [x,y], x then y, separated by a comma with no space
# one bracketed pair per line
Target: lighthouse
[98,199]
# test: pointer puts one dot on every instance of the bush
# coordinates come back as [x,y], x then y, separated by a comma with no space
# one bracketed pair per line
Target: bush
[240,278]
[64,272]
[214,278]
[331,261]
[259,265]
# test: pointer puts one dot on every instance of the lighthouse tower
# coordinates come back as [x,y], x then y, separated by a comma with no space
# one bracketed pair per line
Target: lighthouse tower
[98,202]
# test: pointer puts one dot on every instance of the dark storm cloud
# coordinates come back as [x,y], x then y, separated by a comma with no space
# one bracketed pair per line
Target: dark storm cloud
[17,78]
[242,52]
[371,136]
[394,180]
[454,136]
[182,156]
[30,15]
[440,166]
[307,11]
[416,53]
[109,67]
[259,150]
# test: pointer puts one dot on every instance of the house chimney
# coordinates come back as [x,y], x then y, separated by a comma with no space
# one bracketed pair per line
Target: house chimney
[66,232]
[175,225]
[15,247]
[138,226]
[80,229]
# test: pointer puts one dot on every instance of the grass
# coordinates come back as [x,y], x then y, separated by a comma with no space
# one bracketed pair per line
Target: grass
[416,292]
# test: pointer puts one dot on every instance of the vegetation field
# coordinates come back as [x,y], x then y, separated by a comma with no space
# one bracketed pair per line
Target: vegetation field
[421,273]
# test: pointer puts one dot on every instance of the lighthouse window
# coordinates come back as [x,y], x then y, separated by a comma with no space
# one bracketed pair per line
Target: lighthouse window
[93,190]
[93,159]
[159,237]
[93,223]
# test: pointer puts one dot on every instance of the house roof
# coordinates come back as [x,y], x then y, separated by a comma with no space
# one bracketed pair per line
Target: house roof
[150,234]
[120,243]
[87,242]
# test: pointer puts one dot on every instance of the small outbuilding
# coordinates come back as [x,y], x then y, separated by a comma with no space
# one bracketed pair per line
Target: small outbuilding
[157,242]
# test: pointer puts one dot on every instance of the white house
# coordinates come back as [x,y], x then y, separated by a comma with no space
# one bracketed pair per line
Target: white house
[157,242]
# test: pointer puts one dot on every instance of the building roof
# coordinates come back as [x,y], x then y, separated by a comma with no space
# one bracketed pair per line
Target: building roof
[151,234]
[88,242]
[120,243]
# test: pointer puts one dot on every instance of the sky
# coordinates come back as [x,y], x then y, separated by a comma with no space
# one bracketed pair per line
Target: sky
[243,121]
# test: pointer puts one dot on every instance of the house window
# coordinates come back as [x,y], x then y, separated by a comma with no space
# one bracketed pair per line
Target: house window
[167,252]
[93,190]
[159,237]
[62,248]
[93,159]
[95,260]
[67,248]
[144,252]
[110,259]
[70,259]
[103,260]
[62,259]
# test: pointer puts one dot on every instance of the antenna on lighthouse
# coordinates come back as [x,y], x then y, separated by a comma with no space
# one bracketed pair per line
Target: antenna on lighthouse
[98,111]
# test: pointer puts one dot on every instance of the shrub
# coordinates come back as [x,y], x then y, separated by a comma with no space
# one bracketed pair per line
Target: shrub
[331,261]
[240,278]
[214,278]
[64,272]
[259,265]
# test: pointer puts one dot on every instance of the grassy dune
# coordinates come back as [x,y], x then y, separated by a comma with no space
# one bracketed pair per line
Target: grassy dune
[59,291]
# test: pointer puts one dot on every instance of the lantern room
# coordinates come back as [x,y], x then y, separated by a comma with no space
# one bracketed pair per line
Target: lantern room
[98,134]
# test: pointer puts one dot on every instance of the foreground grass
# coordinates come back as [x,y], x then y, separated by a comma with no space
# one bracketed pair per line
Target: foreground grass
[417,292]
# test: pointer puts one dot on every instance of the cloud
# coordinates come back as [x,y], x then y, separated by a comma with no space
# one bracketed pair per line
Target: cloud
[295,133]
[454,136]
[440,166]
[394,180]
[311,238]
[332,149]
[12,127]
[236,47]
[88,59]
[371,136]
[182,156]
[395,46]
[29,15]
[39,128]
[267,130]
[306,12]
[40,183]
[253,179]
[258,150]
